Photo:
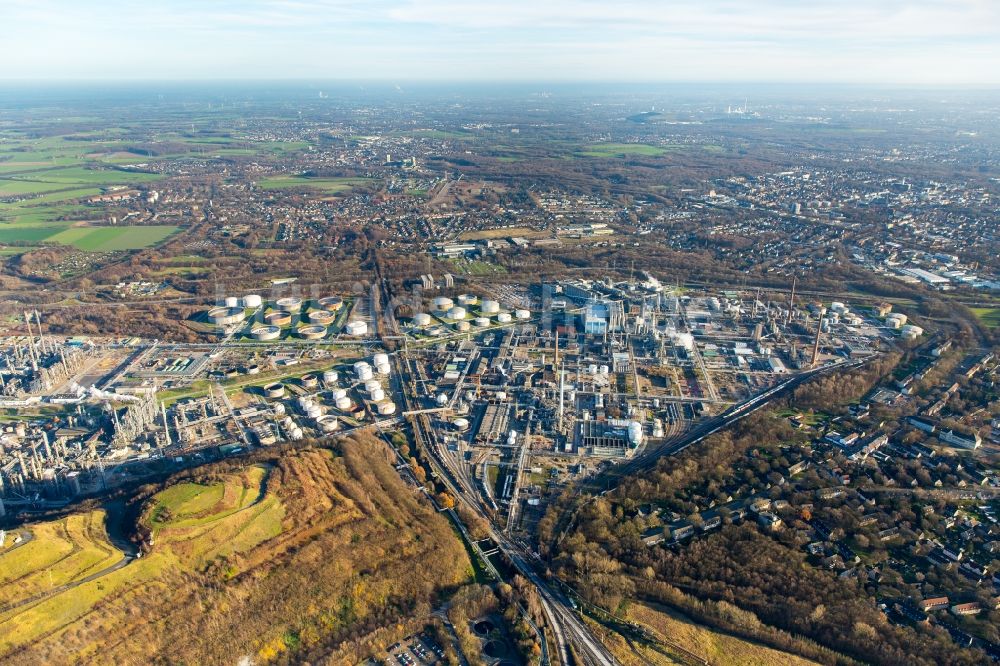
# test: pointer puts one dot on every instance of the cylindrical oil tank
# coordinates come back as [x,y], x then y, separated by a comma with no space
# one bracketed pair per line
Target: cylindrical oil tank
[265,333]
[310,380]
[232,302]
[522,314]
[278,318]
[490,307]
[482,322]
[275,390]
[314,411]
[296,433]
[442,399]
[356,328]
[338,393]
[443,303]
[226,316]
[380,359]
[324,317]
[328,423]
[343,403]
[421,319]
[377,395]
[312,332]
[331,303]
[468,299]
[365,373]
[289,304]
[461,424]
[504,318]
[279,409]
[372,384]
[330,376]
[462,326]
[383,369]
[456,313]
[386,408]
[252,301]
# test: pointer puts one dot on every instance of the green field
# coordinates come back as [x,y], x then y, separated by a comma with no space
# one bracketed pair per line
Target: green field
[328,185]
[622,150]
[90,239]
[989,316]
[107,239]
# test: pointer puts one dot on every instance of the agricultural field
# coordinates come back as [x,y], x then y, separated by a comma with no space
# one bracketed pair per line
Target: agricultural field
[108,239]
[88,239]
[326,185]
[302,555]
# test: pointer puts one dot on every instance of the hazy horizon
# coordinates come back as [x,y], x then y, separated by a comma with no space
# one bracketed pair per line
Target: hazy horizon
[895,42]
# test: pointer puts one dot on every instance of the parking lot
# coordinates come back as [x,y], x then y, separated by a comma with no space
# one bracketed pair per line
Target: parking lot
[416,650]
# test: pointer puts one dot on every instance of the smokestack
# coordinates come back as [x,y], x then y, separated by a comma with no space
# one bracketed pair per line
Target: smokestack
[562,396]
[791,303]
[31,342]
[819,329]
[166,427]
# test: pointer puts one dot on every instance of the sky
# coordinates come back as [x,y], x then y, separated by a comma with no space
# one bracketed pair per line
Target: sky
[905,42]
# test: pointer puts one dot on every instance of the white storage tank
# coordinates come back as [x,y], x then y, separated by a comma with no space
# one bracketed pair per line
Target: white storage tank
[252,301]
[504,317]
[339,393]
[289,304]
[365,373]
[330,377]
[296,433]
[443,303]
[356,327]
[635,433]
[421,319]
[377,395]
[279,409]
[380,359]
[522,314]
[490,307]
[384,369]
[442,399]
[386,408]
[467,299]
[911,332]
[343,403]
[314,411]
[372,384]
[232,302]
[265,333]
[462,326]
[328,423]
[456,313]
[461,424]
[482,322]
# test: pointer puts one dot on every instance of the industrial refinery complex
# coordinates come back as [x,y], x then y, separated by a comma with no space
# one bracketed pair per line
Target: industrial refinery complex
[568,377]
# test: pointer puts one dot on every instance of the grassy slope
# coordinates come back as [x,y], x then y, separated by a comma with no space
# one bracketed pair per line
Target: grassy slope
[328,550]
[718,648]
